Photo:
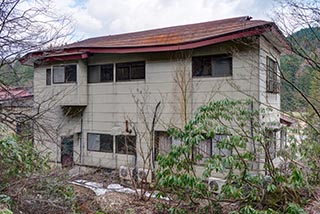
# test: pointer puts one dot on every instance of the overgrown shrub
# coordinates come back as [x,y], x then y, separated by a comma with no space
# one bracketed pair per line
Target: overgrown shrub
[18,159]
[253,190]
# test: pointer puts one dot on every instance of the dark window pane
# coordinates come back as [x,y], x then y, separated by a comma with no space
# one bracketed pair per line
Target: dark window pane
[206,66]
[94,74]
[126,144]
[106,73]
[71,73]
[221,66]
[58,74]
[272,84]
[201,66]
[106,143]
[215,66]
[48,76]
[123,72]
[138,70]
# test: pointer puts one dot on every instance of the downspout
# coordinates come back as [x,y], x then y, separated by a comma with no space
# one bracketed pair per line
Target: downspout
[252,133]
[80,139]
[259,92]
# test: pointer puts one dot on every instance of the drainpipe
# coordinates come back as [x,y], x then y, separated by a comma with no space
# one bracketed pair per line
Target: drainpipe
[252,134]
[80,139]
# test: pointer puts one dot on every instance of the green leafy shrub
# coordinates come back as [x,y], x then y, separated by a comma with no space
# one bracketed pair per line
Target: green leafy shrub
[18,159]
[246,184]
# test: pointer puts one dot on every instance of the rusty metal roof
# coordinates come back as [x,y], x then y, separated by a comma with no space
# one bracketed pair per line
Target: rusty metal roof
[164,39]
[173,35]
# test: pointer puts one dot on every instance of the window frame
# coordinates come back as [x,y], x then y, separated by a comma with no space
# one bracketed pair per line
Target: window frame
[129,67]
[100,134]
[101,73]
[157,146]
[272,80]
[128,151]
[271,140]
[213,60]
[66,75]
[213,149]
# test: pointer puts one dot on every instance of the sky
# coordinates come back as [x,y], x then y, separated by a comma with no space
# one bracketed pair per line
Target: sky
[92,18]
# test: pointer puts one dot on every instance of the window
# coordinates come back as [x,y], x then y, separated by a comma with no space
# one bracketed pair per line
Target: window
[126,144]
[162,143]
[65,74]
[100,142]
[210,147]
[271,143]
[272,84]
[216,149]
[283,138]
[212,66]
[100,73]
[204,149]
[130,71]
[48,76]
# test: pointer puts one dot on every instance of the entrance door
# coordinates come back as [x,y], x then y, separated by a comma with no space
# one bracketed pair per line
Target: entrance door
[67,152]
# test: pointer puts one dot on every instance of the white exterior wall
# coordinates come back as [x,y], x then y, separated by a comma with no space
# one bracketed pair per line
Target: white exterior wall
[110,104]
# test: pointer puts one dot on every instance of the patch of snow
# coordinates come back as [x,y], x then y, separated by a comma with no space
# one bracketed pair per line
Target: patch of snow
[98,189]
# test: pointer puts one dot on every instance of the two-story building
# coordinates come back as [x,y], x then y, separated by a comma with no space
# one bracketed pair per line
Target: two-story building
[98,94]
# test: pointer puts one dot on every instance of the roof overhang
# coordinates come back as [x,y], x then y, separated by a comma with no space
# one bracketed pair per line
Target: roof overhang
[78,53]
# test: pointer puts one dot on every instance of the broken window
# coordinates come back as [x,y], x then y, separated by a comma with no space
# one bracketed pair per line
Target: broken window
[100,142]
[272,84]
[65,74]
[130,71]
[100,73]
[212,66]
[126,144]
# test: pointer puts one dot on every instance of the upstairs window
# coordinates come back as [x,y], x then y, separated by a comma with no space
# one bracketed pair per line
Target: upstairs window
[65,74]
[100,73]
[212,66]
[100,142]
[272,84]
[48,76]
[130,71]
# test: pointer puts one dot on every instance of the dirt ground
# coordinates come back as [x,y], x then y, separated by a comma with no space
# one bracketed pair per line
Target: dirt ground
[110,202]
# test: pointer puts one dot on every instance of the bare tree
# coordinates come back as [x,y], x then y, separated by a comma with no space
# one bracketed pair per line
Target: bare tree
[292,16]
[26,26]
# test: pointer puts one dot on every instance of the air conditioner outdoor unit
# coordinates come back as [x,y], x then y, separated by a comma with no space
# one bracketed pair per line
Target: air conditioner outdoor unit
[215,184]
[125,173]
[144,175]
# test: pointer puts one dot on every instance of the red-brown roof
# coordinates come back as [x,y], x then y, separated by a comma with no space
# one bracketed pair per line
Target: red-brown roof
[169,39]
[173,35]
[14,93]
